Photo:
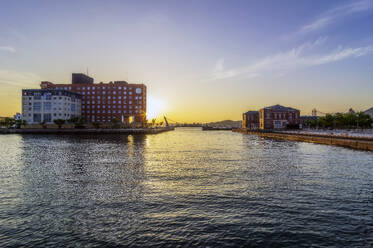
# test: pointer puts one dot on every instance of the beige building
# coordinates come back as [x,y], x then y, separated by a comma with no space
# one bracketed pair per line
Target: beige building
[47,105]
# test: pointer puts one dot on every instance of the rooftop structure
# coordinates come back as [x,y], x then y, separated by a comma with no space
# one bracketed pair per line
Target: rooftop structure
[80,78]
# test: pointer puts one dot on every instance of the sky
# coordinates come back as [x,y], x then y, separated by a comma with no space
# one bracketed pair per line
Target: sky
[202,60]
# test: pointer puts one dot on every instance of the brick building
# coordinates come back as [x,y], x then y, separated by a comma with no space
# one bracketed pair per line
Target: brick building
[278,117]
[250,120]
[103,102]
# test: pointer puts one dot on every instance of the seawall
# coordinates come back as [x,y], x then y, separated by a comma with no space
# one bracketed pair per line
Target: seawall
[349,142]
[87,131]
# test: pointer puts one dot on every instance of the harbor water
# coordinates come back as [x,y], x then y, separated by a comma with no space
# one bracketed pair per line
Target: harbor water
[183,188]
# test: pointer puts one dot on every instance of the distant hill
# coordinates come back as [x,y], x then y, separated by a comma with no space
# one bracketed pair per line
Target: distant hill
[225,123]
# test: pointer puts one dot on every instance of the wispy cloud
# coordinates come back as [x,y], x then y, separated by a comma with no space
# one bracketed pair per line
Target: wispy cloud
[337,13]
[7,49]
[18,79]
[293,59]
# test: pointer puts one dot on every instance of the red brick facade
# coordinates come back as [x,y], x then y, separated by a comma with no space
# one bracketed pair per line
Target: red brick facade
[250,120]
[104,102]
[279,117]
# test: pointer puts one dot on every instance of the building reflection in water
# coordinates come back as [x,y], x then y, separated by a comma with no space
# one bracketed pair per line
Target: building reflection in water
[91,177]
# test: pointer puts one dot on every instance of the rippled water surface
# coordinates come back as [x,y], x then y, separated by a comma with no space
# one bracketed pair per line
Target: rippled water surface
[182,188]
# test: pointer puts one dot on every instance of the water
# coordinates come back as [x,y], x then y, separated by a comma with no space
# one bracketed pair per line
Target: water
[184,188]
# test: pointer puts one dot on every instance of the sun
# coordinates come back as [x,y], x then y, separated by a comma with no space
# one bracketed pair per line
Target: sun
[155,107]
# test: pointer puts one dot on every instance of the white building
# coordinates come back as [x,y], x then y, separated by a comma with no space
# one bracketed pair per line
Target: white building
[50,104]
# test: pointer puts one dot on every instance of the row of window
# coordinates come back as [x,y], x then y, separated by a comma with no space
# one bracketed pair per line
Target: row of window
[114,112]
[109,102]
[48,117]
[110,106]
[94,87]
[49,97]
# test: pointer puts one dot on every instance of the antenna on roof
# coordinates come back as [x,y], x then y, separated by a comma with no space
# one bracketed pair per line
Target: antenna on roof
[87,72]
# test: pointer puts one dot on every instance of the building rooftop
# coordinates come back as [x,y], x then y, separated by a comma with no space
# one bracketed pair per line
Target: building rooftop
[252,112]
[279,107]
[369,111]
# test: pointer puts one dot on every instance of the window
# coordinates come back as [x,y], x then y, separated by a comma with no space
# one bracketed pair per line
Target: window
[47,106]
[73,107]
[138,90]
[37,106]
[37,118]
[47,96]
[47,117]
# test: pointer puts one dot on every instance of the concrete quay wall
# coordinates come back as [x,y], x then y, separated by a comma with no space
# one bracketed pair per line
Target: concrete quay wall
[359,144]
[87,131]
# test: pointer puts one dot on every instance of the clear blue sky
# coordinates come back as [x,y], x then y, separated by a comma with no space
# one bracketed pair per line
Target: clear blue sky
[201,60]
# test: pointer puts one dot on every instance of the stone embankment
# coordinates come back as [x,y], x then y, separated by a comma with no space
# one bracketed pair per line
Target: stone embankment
[360,143]
[87,131]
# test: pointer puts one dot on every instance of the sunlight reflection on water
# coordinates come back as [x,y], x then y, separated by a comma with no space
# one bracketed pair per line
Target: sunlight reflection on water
[186,187]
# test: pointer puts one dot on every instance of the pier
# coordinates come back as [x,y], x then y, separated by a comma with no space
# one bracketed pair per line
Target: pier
[359,143]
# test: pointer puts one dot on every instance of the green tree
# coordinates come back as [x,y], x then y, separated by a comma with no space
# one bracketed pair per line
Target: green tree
[20,123]
[363,120]
[115,123]
[59,122]
[43,124]
[8,122]
[96,124]
[78,122]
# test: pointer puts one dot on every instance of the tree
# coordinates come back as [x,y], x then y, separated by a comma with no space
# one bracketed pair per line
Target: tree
[78,122]
[20,123]
[115,123]
[96,124]
[59,122]
[8,122]
[43,124]
[363,120]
